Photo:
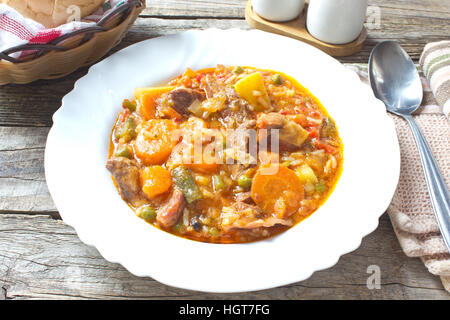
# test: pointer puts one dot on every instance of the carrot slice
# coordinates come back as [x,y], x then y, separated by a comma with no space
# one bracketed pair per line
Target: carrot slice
[277,190]
[155,141]
[147,99]
[155,181]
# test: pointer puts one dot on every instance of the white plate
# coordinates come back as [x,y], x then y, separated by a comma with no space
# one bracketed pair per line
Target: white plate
[81,187]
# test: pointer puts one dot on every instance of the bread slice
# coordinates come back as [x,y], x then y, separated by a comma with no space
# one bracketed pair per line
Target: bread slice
[52,13]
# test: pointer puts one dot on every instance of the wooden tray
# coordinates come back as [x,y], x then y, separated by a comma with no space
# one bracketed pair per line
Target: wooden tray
[297,29]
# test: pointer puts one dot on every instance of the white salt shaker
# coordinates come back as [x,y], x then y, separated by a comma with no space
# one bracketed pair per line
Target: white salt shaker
[278,10]
[336,21]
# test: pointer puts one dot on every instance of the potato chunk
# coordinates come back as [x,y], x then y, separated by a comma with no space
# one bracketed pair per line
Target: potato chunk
[153,91]
[252,89]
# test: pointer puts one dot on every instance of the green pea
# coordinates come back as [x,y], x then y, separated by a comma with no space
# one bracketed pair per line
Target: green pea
[148,214]
[218,183]
[244,181]
[213,231]
[129,105]
[123,152]
[238,70]
[179,227]
[319,187]
[277,79]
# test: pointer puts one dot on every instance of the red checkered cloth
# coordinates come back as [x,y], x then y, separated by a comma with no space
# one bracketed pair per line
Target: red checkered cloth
[17,30]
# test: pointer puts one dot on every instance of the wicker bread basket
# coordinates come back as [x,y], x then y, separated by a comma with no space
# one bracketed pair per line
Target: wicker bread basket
[69,52]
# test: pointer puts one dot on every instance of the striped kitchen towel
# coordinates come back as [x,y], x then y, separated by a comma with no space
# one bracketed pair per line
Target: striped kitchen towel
[410,210]
[435,63]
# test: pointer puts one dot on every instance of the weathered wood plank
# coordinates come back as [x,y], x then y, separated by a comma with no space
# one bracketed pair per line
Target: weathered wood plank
[22,179]
[235,8]
[34,104]
[43,258]
[418,6]
[195,8]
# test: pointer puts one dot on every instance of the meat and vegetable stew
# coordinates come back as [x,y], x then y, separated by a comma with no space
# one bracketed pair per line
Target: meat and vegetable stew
[225,155]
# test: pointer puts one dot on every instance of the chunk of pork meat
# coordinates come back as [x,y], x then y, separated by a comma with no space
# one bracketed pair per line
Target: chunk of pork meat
[291,135]
[126,174]
[271,120]
[182,98]
[238,108]
[212,87]
[169,214]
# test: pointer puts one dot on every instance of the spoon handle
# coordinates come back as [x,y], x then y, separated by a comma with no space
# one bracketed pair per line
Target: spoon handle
[439,194]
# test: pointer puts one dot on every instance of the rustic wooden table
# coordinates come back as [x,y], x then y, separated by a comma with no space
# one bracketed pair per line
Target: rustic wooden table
[41,257]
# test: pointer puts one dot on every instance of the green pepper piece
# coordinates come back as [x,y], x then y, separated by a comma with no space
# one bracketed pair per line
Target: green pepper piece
[238,70]
[218,183]
[127,131]
[123,152]
[277,79]
[183,179]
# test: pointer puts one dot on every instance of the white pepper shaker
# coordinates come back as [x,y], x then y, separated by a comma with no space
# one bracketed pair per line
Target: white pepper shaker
[336,21]
[278,10]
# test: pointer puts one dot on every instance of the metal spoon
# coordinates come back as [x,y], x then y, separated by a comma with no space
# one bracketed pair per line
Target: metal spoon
[395,81]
